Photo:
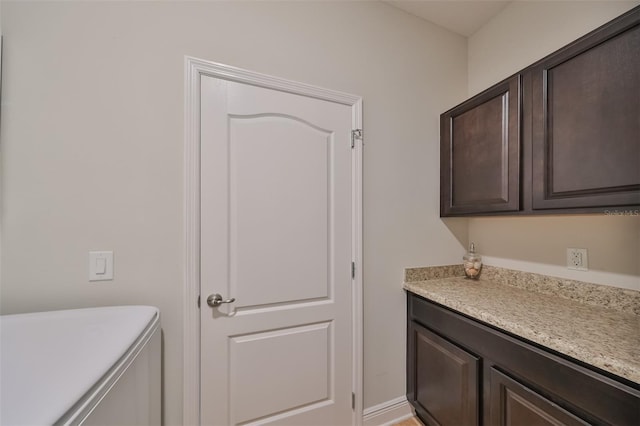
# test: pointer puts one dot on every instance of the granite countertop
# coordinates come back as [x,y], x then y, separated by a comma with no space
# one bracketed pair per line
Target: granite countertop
[601,329]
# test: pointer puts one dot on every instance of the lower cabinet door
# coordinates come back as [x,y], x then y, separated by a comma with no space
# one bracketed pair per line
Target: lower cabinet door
[515,404]
[445,380]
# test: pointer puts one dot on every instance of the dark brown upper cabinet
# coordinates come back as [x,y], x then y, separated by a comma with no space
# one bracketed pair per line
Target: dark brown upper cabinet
[561,136]
[586,121]
[480,147]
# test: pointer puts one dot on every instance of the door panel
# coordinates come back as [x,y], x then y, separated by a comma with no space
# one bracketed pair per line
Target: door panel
[276,235]
[260,365]
[280,170]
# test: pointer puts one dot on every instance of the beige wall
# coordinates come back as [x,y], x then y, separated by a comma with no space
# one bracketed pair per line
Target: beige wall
[92,135]
[522,33]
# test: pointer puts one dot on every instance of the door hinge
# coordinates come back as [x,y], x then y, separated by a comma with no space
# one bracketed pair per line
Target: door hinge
[355,134]
[353,401]
[198,301]
[353,269]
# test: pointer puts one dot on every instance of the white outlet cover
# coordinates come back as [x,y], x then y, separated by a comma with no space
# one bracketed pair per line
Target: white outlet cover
[577,259]
[100,265]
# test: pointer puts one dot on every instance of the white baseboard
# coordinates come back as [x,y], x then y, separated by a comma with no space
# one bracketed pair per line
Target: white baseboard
[387,413]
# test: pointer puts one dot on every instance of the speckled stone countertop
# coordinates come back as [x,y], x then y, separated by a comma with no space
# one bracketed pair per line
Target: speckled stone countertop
[598,325]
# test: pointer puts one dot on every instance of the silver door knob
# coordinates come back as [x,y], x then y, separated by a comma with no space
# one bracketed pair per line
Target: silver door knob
[215,300]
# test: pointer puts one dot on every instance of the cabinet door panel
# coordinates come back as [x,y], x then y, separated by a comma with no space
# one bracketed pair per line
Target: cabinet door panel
[586,122]
[479,152]
[446,380]
[514,404]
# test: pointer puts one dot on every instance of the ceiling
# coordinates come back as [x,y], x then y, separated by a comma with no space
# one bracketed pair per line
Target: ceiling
[464,17]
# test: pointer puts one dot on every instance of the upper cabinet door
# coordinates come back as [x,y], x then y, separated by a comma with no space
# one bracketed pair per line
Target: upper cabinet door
[480,153]
[586,121]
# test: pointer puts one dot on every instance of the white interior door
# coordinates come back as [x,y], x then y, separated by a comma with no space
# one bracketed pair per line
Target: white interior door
[276,235]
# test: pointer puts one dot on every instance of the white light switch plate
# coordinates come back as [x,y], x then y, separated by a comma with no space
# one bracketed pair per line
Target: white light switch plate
[100,265]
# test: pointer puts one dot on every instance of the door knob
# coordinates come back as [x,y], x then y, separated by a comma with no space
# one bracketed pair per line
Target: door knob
[215,300]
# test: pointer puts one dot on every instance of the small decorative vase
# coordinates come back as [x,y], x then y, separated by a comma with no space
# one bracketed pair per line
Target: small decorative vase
[472,263]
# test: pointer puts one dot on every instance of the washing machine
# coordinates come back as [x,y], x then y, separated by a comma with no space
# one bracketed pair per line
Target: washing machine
[96,366]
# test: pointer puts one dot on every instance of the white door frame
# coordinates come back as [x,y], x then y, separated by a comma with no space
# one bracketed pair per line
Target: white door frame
[194,69]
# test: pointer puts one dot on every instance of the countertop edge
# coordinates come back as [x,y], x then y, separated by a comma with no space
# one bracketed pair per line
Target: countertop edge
[598,360]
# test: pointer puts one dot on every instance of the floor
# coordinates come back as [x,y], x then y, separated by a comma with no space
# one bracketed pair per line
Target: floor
[412,421]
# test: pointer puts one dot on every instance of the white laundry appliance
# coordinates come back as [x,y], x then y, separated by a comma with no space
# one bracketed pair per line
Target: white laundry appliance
[96,366]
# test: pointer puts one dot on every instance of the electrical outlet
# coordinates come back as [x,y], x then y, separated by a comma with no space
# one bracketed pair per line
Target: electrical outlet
[577,259]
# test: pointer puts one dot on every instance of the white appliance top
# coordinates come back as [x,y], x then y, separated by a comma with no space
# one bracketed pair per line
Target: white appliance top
[49,360]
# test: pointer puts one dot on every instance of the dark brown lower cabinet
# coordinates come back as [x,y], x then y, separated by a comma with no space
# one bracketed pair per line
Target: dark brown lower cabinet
[456,372]
[461,372]
[512,403]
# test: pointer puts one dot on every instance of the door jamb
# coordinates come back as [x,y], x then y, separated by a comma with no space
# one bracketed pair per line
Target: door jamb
[194,69]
